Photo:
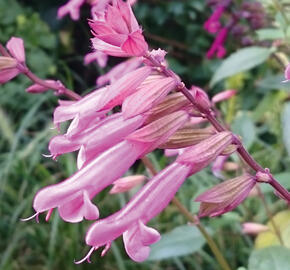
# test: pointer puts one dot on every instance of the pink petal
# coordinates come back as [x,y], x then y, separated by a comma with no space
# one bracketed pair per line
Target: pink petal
[108,49]
[135,45]
[8,74]
[147,96]
[227,94]
[16,47]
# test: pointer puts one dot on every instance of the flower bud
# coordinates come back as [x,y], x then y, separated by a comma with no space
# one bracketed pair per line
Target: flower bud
[253,228]
[126,183]
[225,196]
[227,94]
[201,98]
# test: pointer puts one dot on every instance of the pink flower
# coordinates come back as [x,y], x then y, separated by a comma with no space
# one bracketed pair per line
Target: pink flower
[131,220]
[224,95]
[212,25]
[147,96]
[225,196]
[127,183]
[96,138]
[150,201]
[100,57]
[104,99]
[253,228]
[72,8]
[287,73]
[119,70]
[12,66]
[104,170]
[119,33]
[217,46]
[37,88]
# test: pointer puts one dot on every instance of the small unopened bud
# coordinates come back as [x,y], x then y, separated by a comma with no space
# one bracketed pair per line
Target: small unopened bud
[227,94]
[7,62]
[263,177]
[225,196]
[287,73]
[253,228]
[201,98]
[38,88]
[126,183]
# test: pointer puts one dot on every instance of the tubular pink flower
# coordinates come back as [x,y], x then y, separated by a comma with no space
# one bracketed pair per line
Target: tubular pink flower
[104,170]
[147,96]
[92,178]
[253,228]
[96,139]
[103,99]
[149,202]
[212,25]
[225,196]
[224,95]
[287,73]
[130,221]
[72,8]
[37,88]
[119,31]
[126,183]
[100,57]
[119,70]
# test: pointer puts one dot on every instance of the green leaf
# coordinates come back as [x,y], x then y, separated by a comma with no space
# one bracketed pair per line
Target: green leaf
[243,125]
[270,34]
[286,126]
[239,61]
[181,241]
[272,258]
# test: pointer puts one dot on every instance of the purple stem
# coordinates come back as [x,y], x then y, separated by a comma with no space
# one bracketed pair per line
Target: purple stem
[217,125]
[61,89]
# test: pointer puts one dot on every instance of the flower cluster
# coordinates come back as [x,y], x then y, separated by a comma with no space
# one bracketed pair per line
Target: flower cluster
[141,105]
[251,12]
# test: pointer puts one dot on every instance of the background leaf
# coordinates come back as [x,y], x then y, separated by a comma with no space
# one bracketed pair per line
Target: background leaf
[239,61]
[181,241]
[272,258]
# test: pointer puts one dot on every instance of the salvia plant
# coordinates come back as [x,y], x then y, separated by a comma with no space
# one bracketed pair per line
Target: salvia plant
[141,105]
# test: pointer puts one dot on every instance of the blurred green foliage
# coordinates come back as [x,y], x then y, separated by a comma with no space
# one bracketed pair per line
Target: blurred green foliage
[259,113]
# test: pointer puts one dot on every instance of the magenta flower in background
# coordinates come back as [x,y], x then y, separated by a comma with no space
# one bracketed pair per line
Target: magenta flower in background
[212,25]
[217,48]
